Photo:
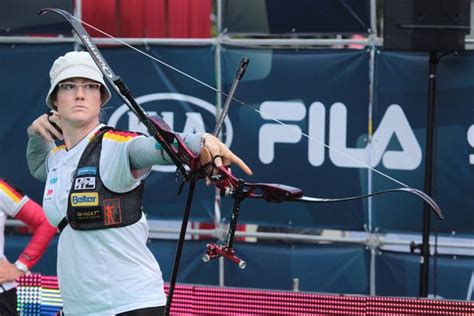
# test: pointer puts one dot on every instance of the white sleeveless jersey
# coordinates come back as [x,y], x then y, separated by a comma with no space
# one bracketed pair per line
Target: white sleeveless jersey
[108,271]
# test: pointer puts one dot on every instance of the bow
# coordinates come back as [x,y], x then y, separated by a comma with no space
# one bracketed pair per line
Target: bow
[190,168]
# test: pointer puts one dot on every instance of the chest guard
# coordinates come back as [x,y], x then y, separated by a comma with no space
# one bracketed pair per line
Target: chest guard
[93,206]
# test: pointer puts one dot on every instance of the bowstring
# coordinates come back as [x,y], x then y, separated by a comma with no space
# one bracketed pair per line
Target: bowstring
[263,114]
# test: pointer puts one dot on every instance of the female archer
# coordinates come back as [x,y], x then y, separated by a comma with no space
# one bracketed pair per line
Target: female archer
[93,192]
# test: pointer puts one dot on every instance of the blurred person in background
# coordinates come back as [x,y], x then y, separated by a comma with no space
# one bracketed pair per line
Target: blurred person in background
[15,204]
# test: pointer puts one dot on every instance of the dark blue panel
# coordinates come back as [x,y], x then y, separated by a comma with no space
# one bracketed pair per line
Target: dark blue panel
[25,82]
[327,16]
[297,16]
[330,269]
[402,80]
[20,17]
[311,79]
[192,268]
[397,274]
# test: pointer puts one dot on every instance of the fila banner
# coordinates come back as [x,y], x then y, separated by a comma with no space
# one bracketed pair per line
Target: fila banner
[323,98]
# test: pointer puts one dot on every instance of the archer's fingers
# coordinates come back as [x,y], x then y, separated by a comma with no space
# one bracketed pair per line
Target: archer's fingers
[46,135]
[44,128]
[209,169]
[230,157]
[54,125]
[40,127]
[215,150]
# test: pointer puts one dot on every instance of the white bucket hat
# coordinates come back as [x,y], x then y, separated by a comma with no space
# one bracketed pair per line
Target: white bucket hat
[72,65]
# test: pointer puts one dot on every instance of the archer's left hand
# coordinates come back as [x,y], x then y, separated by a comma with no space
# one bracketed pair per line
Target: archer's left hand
[213,150]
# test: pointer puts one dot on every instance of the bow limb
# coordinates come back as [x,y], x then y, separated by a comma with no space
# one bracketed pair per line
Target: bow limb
[277,193]
[425,197]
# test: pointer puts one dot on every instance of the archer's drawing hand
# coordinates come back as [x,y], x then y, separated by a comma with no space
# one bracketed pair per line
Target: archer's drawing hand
[43,126]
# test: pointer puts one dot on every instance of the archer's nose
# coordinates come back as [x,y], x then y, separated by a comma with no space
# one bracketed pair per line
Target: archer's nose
[80,92]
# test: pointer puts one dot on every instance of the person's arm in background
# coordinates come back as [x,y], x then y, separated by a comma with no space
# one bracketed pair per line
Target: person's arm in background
[32,215]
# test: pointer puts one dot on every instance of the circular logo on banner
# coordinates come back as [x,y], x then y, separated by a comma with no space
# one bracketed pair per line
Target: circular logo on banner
[191,115]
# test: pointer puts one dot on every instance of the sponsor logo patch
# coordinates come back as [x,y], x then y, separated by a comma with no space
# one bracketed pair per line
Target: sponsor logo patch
[85,199]
[86,171]
[84,183]
[112,211]
[88,215]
